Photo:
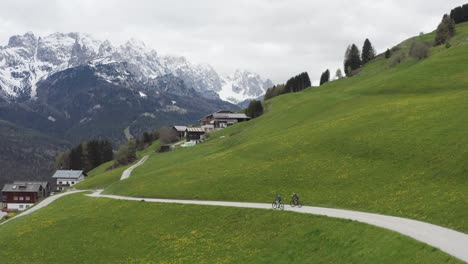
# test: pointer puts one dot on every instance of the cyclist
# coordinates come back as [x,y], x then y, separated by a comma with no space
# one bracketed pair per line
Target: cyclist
[278,199]
[295,199]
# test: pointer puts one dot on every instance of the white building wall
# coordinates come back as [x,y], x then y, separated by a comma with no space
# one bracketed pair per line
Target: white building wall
[70,182]
[19,206]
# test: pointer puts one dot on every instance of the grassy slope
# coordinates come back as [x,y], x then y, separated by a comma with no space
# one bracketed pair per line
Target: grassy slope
[89,230]
[391,141]
[106,177]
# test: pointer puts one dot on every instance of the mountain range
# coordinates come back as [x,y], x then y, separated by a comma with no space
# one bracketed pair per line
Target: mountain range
[27,60]
[70,87]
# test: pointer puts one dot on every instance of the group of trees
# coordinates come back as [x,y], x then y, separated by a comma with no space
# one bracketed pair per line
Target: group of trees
[293,85]
[354,59]
[297,83]
[274,91]
[460,14]
[86,156]
[146,139]
[445,31]
[255,109]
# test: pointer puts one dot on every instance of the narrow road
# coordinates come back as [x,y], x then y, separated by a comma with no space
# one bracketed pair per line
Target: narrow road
[128,172]
[42,204]
[450,241]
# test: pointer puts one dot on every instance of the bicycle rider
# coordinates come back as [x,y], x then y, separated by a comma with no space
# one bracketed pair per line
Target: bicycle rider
[278,199]
[295,198]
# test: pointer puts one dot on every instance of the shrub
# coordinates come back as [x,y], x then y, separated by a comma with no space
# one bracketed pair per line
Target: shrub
[397,59]
[126,154]
[419,50]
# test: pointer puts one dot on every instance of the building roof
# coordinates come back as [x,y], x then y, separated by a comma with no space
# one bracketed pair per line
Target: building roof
[180,128]
[28,187]
[230,116]
[195,129]
[67,174]
[43,183]
[226,114]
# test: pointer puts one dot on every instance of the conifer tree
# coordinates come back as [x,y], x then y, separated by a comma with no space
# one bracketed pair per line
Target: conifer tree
[368,52]
[255,109]
[325,77]
[352,59]
[388,54]
[445,30]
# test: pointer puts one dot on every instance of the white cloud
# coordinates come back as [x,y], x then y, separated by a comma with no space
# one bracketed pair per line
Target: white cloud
[274,38]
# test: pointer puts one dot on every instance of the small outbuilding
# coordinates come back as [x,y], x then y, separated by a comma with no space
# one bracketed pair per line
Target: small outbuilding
[181,131]
[195,134]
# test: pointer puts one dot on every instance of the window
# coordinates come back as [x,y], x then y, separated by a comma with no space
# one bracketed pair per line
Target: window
[28,198]
[72,182]
[60,182]
[27,206]
[21,206]
[21,198]
[15,198]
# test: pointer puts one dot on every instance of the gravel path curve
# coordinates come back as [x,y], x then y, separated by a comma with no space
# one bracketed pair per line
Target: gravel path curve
[128,172]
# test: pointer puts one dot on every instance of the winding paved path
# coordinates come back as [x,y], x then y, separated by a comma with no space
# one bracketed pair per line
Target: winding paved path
[450,241]
[126,174]
[42,204]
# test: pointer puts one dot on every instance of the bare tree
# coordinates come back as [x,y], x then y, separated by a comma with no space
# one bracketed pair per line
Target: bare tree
[167,135]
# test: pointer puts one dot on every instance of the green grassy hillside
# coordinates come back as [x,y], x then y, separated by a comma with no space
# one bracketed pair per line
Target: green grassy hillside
[390,140]
[79,229]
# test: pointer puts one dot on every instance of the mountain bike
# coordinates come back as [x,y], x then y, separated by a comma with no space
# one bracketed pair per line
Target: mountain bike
[277,206]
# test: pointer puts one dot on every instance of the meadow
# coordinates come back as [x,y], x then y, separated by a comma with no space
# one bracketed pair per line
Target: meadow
[80,229]
[390,140]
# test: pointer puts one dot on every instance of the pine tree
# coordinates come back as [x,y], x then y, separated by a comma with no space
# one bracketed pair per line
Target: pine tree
[76,158]
[445,30]
[93,155]
[325,77]
[368,52]
[147,138]
[352,59]
[255,109]
[107,153]
[388,54]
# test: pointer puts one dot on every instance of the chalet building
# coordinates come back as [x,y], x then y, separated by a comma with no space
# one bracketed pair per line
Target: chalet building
[222,119]
[67,178]
[195,134]
[181,131]
[22,195]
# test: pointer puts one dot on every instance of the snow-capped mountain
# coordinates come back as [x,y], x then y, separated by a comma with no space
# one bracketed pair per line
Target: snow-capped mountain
[242,86]
[28,60]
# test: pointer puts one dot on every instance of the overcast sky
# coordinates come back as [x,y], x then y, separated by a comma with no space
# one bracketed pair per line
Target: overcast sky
[275,38]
